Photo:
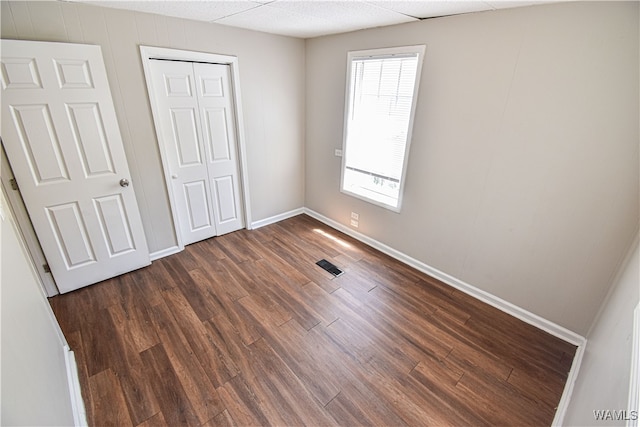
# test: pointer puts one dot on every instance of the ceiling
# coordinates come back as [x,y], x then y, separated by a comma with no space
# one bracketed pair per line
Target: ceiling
[310,18]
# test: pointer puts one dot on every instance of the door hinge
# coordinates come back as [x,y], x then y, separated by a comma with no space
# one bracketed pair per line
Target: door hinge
[14,184]
[46,268]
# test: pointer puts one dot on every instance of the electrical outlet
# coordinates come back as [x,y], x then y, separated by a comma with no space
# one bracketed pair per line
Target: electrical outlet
[354,223]
[338,152]
[355,216]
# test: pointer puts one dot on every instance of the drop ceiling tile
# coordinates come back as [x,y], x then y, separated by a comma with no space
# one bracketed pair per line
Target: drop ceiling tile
[310,18]
[507,4]
[346,15]
[430,9]
[278,21]
[198,10]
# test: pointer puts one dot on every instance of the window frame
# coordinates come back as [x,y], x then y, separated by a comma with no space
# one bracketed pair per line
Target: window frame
[381,53]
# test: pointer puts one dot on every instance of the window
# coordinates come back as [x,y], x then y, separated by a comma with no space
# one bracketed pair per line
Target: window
[380,104]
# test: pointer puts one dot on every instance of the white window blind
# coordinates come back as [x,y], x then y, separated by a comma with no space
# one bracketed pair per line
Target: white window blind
[380,100]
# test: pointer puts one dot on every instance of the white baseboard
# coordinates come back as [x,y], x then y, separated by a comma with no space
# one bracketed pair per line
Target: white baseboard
[77,404]
[277,218]
[165,252]
[558,419]
[634,384]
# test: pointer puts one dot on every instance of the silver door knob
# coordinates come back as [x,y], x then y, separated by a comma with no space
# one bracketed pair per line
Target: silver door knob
[124,182]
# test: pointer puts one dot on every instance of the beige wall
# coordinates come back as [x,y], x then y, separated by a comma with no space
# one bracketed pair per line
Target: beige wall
[272,85]
[523,173]
[605,372]
[34,383]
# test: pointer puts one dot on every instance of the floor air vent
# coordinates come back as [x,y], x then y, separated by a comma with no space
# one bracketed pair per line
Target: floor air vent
[329,267]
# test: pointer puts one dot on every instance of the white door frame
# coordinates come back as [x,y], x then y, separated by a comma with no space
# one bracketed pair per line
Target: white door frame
[148,53]
[17,207]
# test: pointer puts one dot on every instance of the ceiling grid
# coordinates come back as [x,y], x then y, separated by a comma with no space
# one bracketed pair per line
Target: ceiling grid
[310,18]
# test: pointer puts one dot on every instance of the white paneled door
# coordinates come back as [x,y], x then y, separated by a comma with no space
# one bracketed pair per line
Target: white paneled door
[61,135]
[197,125]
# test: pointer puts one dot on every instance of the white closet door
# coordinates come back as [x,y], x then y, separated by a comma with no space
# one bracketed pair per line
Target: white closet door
[197,126]
[219,138]
[179,117]
[61,135]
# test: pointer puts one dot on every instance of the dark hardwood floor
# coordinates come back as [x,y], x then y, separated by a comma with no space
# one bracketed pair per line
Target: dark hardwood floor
[245,329]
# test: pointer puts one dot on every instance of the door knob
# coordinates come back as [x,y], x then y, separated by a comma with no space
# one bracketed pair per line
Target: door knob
[174,176]
[124,182]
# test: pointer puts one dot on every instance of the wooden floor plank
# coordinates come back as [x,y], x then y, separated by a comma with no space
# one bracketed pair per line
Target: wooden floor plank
[219,369]
[189,288]
[484,391]
[157,420]
[245,329]
[313,366]
[323,303]
[173,399]
[268,382]
[359,405]
[309,244]
[287,295]
[448,398]
[139,396]
[330,240]
[306,265]
[539,385]
[285,388]
[100,353]
[242,403]
[237,252]
[134,316]
[407,396]
[107,401]
[188,368]
[223,419]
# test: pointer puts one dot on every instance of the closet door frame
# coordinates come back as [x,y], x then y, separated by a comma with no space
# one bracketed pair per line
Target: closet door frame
[147,54]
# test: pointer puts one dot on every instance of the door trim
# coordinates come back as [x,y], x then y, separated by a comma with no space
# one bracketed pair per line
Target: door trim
[25,227]
[148,53]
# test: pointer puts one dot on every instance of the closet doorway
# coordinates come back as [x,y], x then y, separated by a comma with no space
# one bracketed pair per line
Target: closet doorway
[197,118]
